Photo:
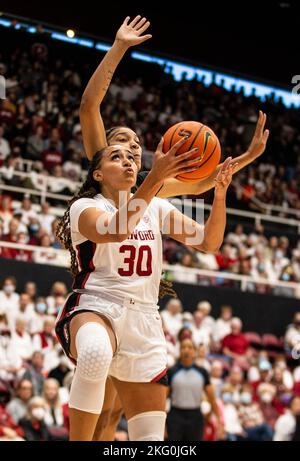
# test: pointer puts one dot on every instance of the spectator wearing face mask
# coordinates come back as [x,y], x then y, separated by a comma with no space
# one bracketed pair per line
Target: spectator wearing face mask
[18,406]
[285,426]
[9,430]
[40,314]
[232,425]
[266,393]
[9,299]
[33,425]
[252,418]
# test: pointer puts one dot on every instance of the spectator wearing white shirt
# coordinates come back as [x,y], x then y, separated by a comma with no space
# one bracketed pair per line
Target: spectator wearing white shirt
[232,424]
[292,336]
[9,299]
[172,316]
[208,321]
[285,426]
[201,334]
[10,361]
[20,340]
[26,211]
[4,146]
[46,218]
[37,322]
[45,340]
[238,237]
[222,326]
[25,310]
[216,376]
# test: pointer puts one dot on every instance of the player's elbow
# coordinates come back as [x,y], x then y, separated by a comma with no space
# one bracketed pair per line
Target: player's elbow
[210,247]
[87,104]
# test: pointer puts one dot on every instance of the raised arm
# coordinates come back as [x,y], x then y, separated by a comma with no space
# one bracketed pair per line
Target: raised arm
[116,227]
[172,187]
[93,131]
[207,238]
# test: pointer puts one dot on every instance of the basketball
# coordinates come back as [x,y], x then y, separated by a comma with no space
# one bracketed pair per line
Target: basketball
[200,136]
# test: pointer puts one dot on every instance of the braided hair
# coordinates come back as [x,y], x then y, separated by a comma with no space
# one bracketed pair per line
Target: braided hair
[89,189]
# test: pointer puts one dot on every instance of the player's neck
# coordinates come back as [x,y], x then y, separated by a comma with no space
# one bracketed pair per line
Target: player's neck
[116,196]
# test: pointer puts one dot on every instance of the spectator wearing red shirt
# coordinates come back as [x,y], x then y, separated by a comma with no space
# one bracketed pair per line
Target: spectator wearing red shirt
[9,430]
[235,345]
[224,259]
[52,157]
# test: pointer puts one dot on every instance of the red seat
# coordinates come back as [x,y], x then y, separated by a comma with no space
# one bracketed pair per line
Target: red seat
[253,339]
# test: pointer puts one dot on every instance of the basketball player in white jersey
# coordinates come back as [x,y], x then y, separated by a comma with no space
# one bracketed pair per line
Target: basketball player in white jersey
[95,138]
[110,323]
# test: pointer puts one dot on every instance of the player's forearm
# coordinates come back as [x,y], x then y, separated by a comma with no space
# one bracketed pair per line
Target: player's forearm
[214,227]
[99,82]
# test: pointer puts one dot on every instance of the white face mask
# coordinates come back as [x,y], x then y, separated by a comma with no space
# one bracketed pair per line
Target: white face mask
[266,397]
[38,413]
[9,289]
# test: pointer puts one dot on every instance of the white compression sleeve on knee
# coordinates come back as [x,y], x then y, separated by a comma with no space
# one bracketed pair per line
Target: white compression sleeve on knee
[147,426]
[94,355]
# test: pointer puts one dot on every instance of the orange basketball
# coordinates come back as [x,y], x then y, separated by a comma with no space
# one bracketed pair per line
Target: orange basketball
[200,136]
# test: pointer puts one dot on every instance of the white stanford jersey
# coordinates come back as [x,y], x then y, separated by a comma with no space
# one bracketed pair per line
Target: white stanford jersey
[131,268]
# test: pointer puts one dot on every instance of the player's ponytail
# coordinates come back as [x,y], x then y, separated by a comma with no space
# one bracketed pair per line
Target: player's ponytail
[89,189]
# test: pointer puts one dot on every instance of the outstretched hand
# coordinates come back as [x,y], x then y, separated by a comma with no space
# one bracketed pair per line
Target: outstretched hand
[224,177]
[131,33]
[260,137]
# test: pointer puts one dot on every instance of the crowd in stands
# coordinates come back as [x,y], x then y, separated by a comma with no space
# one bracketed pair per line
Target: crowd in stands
[253,254]
[254,386]
[39,120]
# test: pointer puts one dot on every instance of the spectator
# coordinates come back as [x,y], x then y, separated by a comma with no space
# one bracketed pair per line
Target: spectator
[252,418]
[46,218]
[62,370]
[26,211]
[21,341]
[9,299]
[25,311]
[58,294]
[6,212]
[40,313]
[286,424]
[172,316]
[201,334]
[33,425]
[54,417]
[266,394]
[223,324]
[18,406]
[34,372]
[292,336]
[35,144]
[4,147]
[232,426]
[235,345]
[9,430]
[216,377]
[208,321]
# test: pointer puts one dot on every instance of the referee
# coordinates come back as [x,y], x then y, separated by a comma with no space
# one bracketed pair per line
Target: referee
[187,383]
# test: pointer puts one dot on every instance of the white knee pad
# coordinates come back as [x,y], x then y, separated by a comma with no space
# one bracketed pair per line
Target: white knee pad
[147,426]
[94,355]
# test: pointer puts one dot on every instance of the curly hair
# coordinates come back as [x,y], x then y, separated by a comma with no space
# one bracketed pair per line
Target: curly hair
[89,189]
